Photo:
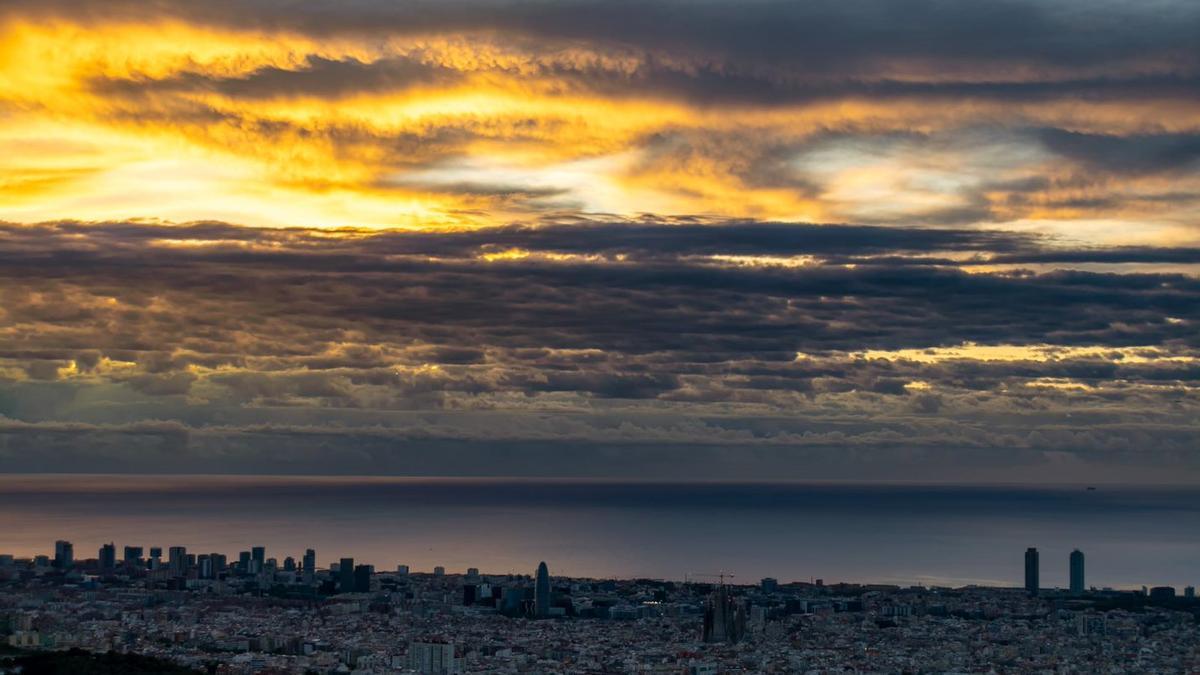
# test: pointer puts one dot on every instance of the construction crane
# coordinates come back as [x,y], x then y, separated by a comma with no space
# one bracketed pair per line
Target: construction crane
[687,578]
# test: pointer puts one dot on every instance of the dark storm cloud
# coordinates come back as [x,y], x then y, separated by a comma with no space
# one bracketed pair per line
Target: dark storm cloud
[1184,255]
[1126,154]
[664,302]
[759,52]
[701,84]
[814,35]
[709,84]
[316,76]
[578,446]
[650,239]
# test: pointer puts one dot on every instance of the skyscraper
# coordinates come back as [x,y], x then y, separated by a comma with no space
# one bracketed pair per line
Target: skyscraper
[133,556]
[310,561]
[541,592]
[346,575]
[1076,572]
[177,559]
[362,578]
[64,554]
[108,556]
[1032,582]
[258,559]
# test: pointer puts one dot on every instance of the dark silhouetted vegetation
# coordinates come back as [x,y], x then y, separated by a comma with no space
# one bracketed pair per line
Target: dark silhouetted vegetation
[79,662]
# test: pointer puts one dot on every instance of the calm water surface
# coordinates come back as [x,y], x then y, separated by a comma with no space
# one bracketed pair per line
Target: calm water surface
[839,532]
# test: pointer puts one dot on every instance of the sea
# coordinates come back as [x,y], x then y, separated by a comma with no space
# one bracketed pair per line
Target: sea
[907,534]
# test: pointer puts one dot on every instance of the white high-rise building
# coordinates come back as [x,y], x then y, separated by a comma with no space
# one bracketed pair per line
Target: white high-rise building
[436,658]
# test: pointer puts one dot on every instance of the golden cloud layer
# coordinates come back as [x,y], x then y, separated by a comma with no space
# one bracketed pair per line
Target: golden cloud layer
[179,120]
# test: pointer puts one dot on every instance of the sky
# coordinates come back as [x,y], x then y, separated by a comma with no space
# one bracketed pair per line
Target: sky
[860,240]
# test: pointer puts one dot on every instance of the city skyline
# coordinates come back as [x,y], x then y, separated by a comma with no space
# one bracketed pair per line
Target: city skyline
[945,535]
[348,576]
[443,624]
[255,618]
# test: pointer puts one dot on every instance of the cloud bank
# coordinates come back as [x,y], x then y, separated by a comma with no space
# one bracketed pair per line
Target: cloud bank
[599,347]
[905,239]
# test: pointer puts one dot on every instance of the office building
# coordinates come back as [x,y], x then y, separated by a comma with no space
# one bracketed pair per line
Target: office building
[1032,580]
[346,575]
[362,578]
[107,557]
[310,561]
[432,658]
[133,556]
[402,569]
[1162,593]
[1189,592]
[541,592]
[1077,572]
[155,560]
[289,564]
[769,585]
[64,554]
[177,559]
[514,602]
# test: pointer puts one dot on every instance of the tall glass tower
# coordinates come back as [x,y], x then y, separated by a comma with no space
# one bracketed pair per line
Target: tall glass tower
[1032,583]
[64,554]
[541,592]
[1076,572]
[346,575]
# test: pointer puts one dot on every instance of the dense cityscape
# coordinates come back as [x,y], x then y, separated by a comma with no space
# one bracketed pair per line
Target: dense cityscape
[257,614]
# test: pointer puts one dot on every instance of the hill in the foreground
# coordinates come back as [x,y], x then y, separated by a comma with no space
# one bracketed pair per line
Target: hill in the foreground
[79,662]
